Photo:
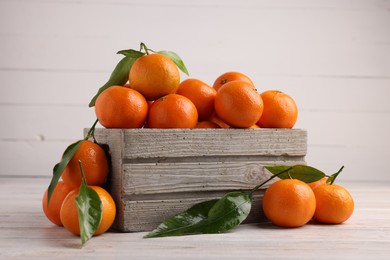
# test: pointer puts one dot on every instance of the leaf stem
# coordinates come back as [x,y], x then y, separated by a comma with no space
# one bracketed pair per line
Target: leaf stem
[143,46]
[91,132]
[84,181]
[335,175]
[275,175]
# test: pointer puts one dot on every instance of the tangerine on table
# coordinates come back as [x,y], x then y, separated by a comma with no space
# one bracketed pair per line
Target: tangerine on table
[334,204]
[172,111]
[238,104]
[231,76]
[94,162]
[154,76]
[280,110]
[121,107]
[315,184]
[52,210]
[69,211]
[289,203]
[201,94]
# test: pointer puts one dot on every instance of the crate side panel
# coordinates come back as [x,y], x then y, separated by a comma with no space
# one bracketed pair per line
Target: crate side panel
[160,143]
[152,178]
[147,215]
[113,139]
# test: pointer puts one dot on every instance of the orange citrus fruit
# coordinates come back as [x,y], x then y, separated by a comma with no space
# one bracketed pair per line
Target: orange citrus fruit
[238,104]
[69,211]
[231,76]
[218,121]
[172,111]
[94,162]
[289,203]
[52,210]
[280,110]
[315,184]
[154,76]
[206,124]
[121,107]
[334,204]
[201,94]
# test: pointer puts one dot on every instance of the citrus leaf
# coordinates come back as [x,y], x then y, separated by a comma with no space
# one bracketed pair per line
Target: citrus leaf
[60,167]
[90,210]
[176,59]
[301,172]
[120,75]
[131,52]
[230,211]
[209,217]
[178,224]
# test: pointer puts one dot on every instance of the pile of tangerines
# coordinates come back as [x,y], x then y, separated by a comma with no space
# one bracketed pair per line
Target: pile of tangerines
[62,209]
[154,97]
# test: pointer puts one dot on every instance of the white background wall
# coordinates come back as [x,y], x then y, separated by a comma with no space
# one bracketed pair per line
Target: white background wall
[331,56]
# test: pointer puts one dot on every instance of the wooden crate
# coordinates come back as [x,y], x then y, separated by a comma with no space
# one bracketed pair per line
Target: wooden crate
[156,173]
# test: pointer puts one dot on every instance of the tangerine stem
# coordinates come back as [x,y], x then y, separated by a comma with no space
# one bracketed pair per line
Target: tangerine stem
[143,46]
[335,175]
[91,132]
[273,176]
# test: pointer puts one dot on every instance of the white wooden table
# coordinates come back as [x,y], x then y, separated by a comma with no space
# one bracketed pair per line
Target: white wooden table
[26,233]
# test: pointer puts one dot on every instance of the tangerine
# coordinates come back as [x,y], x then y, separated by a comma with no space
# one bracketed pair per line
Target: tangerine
[315,184]
[289,203]
[238,104]
[121,107]
[95,165]
[280,110]
[154,76]
[206,124]
[334,204]
[52,210]
[172,111]
[69,211]
[231,76]
[201,94]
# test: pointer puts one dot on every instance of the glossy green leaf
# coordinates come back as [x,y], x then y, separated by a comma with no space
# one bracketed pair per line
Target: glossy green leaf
[181,223]
[301,172]
[60,167]
[176,59]
[131,52]
[210,217]
[120,75]
[229,212]
[90,210]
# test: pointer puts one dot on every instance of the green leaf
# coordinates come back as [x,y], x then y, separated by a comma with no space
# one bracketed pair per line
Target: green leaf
[301,172]
[120,75]
[180,223]
[176,59]
[209,217]
[131,52]
[90,210]
[60,167]
[229,212]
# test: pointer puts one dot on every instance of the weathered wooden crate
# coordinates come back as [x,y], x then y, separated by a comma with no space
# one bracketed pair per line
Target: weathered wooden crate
[156,173]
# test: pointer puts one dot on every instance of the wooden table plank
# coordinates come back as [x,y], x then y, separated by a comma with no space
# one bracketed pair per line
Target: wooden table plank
[26,233]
